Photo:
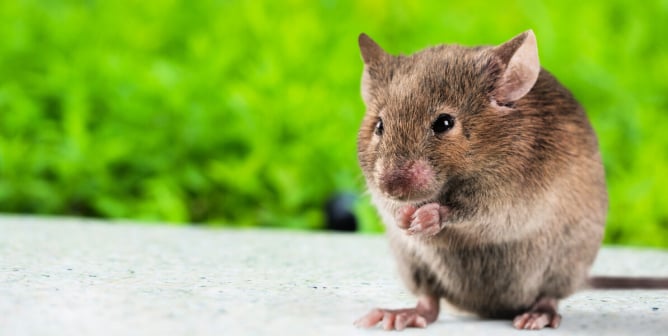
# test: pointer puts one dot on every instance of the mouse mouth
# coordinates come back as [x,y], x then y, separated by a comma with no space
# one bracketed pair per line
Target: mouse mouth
[397,203]
[425,202]
[414,200]
[416,203]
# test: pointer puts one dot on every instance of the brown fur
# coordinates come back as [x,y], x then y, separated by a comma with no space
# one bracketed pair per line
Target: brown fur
[522,180]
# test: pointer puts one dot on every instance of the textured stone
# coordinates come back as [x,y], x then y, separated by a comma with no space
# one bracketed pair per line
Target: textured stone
[78,277]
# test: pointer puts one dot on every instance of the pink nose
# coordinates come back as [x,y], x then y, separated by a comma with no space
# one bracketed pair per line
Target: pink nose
[412,180]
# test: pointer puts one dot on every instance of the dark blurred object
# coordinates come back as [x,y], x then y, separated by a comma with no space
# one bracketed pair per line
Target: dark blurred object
[339,212]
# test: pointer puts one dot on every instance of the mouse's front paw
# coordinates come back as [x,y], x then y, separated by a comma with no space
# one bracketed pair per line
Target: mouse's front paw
[426,220]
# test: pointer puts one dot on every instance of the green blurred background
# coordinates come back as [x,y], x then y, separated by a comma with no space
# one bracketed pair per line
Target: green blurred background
[245,113]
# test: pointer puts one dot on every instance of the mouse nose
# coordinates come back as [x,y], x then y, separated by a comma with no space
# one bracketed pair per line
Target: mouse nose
[412,180]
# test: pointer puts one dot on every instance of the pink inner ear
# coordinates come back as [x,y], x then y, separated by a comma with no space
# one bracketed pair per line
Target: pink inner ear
[521,72]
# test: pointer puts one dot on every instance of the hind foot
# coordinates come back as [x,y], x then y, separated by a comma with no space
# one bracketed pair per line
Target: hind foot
[542,314]
[424,313]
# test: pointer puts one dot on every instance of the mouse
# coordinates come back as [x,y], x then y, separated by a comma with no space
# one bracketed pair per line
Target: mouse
[488,177]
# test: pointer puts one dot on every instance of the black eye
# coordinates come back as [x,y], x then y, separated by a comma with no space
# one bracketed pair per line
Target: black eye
[379,127]
[443,123]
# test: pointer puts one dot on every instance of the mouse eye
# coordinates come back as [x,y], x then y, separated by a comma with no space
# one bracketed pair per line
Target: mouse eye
[379,127]
[443,123]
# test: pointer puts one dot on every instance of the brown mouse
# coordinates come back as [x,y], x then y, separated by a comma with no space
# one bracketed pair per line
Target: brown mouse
[488,176]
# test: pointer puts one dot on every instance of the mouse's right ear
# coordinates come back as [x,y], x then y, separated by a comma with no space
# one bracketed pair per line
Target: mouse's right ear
[372,53]
[375,61]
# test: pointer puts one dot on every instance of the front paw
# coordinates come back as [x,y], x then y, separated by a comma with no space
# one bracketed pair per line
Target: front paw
[426,220]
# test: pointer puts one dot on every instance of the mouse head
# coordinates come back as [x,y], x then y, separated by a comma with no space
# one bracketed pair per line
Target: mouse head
[441,114]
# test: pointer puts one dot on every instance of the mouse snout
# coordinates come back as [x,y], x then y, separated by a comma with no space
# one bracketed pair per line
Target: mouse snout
[409,181]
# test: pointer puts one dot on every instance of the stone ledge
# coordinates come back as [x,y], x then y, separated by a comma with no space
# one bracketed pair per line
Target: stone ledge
[77,277]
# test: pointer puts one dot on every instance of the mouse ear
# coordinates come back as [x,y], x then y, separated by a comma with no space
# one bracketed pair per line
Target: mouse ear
[520,56]
[372,53]
[375,65]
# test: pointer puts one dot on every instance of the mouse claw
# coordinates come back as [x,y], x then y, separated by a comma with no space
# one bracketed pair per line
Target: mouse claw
[405,216]
[542,314]
[427,220]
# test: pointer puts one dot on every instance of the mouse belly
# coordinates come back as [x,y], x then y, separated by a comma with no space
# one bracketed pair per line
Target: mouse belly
[497,281]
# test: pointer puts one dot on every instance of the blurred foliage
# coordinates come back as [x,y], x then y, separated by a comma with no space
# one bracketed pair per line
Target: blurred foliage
[245,112]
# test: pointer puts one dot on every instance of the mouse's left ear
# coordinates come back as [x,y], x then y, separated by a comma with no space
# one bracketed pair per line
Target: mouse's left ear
[520,57]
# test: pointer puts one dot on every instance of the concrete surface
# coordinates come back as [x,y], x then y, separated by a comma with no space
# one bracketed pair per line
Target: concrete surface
[74,277]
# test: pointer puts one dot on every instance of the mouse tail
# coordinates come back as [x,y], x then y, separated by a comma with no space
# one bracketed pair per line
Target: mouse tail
[607,282]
